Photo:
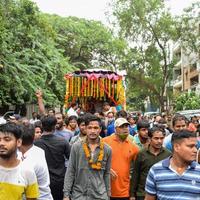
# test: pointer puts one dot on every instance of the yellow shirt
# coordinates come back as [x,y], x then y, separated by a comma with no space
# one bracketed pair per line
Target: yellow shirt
[18,181]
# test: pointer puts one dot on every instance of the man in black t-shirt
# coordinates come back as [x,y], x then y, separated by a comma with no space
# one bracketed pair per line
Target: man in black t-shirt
[56,150]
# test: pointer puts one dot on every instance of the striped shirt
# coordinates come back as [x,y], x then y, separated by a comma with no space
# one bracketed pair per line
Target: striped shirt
[164,183]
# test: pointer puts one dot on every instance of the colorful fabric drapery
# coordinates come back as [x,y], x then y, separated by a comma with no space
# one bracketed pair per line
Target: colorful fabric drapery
[102,86]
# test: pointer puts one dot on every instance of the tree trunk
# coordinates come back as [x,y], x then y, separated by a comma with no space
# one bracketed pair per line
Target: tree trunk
[162,104]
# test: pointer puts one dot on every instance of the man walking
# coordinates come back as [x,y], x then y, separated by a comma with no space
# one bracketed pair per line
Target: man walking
[16,178]
[34,156]
[60,130]
[141,139]
[123,154]
[146,158]
[88,173]
[176,177]
[82,132]
[179,122]
[56,150]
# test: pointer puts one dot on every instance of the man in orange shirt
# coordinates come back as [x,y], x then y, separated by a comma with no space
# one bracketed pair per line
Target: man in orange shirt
[123,153]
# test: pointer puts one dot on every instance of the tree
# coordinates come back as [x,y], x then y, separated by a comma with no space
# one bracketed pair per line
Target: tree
[87,43]
[188,27]
[29,57]
[37,50]
[148,27]
[187,101]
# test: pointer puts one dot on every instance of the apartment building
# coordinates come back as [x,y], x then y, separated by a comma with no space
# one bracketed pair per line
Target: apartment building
[186,71]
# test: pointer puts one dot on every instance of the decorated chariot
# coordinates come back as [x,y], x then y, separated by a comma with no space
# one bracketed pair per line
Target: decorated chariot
[90,88]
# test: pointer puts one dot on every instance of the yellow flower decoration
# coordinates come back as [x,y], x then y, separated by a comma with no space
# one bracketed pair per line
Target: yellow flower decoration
[97,165]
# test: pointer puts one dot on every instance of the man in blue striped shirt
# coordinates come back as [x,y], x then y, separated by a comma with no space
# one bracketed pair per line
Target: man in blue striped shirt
[177,177]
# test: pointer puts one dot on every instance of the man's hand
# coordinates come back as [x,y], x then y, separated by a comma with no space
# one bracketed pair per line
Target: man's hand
[38,93]
[113,174]
[132,198]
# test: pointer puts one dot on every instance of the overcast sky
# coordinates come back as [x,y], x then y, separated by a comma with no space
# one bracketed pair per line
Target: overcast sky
[93,9]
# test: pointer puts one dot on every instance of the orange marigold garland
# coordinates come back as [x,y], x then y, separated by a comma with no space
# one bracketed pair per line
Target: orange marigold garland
[94,165]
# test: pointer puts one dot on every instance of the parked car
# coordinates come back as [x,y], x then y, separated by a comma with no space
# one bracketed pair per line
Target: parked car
[189,113]
[151,113]
[4,118]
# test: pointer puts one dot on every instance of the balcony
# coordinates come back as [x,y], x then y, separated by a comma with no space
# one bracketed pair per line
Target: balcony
[178,64]
[177,46]
[198,66]
[194,81]
[177,82]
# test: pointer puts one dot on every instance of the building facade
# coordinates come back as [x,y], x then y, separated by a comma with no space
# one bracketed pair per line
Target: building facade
[186,71]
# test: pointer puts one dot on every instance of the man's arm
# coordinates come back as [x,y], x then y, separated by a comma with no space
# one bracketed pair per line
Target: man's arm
[107,172]
[38,94]
[150,187]
[67,150]
[135,176]
[70,174]
[150,197]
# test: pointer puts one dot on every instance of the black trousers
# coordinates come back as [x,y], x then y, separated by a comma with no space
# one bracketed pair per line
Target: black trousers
[57,190]
[119,198]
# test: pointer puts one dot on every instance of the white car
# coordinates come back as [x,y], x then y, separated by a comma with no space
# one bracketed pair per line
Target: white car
[3,119]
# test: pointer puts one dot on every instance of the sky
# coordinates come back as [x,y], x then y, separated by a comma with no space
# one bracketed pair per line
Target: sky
[94,9]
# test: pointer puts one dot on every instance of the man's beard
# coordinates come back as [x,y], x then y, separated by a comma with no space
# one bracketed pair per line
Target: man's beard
[8,154]
[59,126]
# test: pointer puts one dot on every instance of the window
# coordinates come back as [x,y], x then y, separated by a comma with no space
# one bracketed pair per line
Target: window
[193,67]
[194,81]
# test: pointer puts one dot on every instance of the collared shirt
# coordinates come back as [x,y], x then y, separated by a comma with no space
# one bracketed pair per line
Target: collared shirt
[65,133]
[144,161]
[84,182]
[123,154]
[76,138]
[165,183]
[35,158]
[138,142]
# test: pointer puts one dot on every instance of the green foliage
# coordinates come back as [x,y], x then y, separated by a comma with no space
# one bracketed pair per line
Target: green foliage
[87,43]
[38,49]
[29,56]
[187,101]
[188,28]
[148,26]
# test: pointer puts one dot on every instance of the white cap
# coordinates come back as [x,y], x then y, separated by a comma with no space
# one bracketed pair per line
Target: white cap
[120,121]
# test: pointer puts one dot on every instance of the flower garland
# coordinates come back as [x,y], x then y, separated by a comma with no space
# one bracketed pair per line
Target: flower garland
[97,165]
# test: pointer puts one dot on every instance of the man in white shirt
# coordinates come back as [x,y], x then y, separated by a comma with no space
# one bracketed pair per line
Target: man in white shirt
[34,118]
[72,110]
[35,157]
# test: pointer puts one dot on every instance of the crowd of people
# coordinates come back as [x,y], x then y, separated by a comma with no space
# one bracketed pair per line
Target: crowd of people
[106,155]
